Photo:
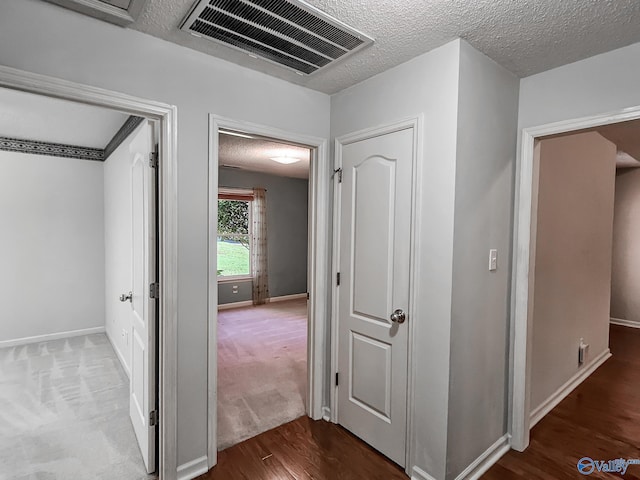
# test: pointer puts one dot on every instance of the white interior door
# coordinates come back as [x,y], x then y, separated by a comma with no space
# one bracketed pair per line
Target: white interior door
[375,215]
[142,391]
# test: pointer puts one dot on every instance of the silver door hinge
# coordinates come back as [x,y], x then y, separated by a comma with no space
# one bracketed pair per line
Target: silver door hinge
[338,171]
[338,278]
[153,418]
[154,290]
[153,159]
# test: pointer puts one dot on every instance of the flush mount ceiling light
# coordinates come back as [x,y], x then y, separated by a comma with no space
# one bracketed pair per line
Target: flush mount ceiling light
[290,33]
[285,160]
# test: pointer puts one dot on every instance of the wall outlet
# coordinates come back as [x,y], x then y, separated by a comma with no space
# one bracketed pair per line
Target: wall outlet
[234,289]
[582,351]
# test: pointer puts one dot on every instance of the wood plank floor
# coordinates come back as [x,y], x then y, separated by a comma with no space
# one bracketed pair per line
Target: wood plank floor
[303,450]
[600,420]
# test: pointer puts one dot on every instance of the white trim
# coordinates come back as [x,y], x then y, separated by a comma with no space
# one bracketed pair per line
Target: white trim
[624,323]
[520,322]
[166,115]
[568,387]
[50,336]
[234,279]
[193,469]
[125,367]
[485,461]
[232,305]
[418,474]
[286,298]
[104,11]
[318,271]
[414,123]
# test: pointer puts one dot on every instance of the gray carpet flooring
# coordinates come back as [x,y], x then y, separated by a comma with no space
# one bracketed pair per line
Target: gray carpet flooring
[262,369]
[64,413]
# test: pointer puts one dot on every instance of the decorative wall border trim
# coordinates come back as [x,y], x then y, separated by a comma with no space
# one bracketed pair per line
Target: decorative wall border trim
[121,135]
[34,147]
[51,149]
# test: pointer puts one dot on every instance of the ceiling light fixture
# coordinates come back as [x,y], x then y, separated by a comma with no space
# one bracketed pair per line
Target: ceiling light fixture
[285,160]
[235,134]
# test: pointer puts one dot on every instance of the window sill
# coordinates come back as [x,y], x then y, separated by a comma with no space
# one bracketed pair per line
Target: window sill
[237,278]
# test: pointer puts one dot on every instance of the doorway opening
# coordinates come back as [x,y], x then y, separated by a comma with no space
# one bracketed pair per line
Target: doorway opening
[567,268]
[262,260]
[267,306]
[78,204]
[68,179]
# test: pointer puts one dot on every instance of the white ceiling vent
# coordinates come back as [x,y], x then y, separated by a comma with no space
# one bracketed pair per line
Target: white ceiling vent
[290,33]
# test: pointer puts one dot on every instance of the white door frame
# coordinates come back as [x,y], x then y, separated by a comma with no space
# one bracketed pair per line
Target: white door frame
[414,123]
[166,115]
[318,266]
[522,284]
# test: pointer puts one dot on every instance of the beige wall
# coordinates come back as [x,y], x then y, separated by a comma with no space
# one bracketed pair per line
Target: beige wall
[625,271]
[572,277]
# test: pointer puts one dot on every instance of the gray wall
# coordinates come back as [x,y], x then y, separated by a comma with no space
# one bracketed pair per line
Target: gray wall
[43,38]
[572,262]
[625,271]
[426,85]
[287,212]
[486,150]
[51,245]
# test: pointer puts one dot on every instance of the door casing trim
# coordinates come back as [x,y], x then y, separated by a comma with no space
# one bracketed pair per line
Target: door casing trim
[167,117]
[521,291]
[416,124]
[318,266]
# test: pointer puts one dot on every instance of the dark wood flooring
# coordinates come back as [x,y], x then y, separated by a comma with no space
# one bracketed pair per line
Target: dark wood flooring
[600,419]
[303,450]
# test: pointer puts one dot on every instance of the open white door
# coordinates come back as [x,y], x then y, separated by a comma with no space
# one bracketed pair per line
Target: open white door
[142,407]
[375,217]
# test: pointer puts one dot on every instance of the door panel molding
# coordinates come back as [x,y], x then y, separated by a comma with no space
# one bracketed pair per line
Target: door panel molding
[318,266]
[167,117]
[416,124]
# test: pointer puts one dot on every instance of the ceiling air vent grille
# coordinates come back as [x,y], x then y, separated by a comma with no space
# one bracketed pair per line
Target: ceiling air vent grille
[290,33]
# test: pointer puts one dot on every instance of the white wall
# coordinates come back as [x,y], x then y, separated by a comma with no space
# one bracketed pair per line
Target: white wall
[51,245]
[117,246]
[625,270]
[572,264]
[43,38]
[486,150]
[425,85]
[599,84]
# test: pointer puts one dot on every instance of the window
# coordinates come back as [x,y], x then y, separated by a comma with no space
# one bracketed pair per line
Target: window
[234,234]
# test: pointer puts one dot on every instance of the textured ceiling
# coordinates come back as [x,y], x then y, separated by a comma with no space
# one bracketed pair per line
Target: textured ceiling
[45,119]
[525,36]
[255,155]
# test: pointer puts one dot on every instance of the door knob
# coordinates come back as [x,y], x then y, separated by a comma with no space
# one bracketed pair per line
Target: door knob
[398,316]
[125,297]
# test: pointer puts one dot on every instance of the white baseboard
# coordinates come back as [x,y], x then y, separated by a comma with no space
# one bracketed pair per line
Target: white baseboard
[125,367]
[485,461]
[193,469]
[248,303]
[326,414]
[624,323]
[285,298]
[50,336]
[419,474]
[560,394]
[227,306]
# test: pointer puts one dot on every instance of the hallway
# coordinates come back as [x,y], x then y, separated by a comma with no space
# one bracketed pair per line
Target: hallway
[600,419]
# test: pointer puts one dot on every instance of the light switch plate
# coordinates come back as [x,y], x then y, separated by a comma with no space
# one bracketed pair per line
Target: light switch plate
[493,260]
